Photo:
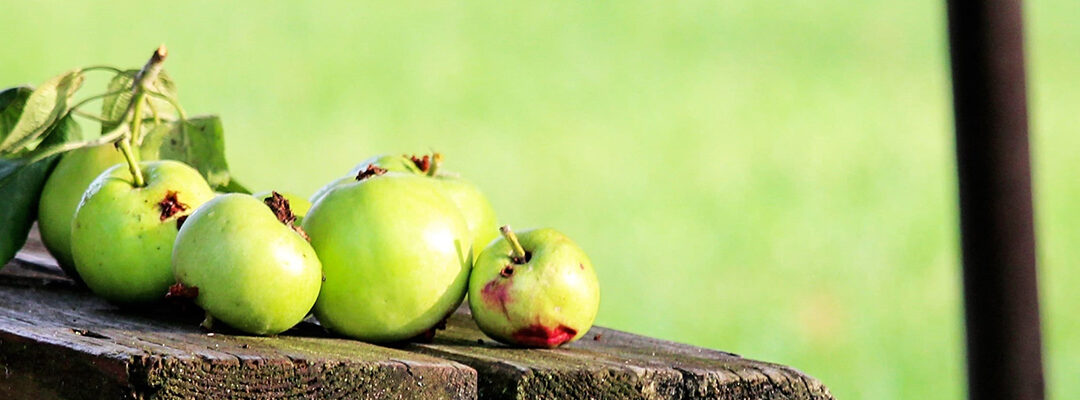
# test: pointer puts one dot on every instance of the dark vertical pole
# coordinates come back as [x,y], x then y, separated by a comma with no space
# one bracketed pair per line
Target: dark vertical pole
[1001,301]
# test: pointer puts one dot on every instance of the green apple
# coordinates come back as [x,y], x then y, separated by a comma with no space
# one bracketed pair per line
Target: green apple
[330,186]
[389,163]
[539,292]
[252,270]
[298,205]
[122,235]
[394,253]
[474,206]
[61,194]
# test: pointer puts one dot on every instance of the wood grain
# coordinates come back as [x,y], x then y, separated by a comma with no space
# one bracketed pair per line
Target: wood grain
[610,364]
[58,341]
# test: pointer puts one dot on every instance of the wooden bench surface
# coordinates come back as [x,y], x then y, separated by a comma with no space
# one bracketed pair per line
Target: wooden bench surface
[58,341]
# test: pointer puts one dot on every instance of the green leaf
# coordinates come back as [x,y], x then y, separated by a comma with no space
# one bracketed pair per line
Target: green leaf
[12,101]
[113,107]
[65,131]
[20,189]
[234,187]
[10,94]
[46,104]
[199,142]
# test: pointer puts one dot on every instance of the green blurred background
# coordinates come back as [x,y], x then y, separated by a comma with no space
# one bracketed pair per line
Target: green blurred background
[772,178]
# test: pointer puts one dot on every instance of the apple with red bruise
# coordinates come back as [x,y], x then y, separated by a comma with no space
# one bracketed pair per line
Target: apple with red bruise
[540,291]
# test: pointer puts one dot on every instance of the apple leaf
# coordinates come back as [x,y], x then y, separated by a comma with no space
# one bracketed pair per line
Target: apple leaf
[45,105]
[199,142]
[114,106]
[12,101]
[234,187]
[20,189]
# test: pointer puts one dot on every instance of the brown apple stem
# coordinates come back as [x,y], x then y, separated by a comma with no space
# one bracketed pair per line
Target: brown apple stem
[436,161]
[519,252]
[152,68]
[280,206]
[140,86]
[370,171]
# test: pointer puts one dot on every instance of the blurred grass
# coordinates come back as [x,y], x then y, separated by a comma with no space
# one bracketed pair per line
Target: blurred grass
[770,178]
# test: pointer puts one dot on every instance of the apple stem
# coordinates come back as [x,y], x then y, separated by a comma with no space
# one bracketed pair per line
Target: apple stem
[519,252]
[149,72]
[139,85]
[136,123]
[133,164]
[436,160]
[125,143]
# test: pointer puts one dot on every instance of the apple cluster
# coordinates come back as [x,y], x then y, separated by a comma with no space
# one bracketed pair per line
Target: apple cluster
[383,254]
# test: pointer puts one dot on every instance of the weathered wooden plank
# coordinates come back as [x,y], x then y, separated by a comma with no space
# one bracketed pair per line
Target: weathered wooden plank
[609,364]
[59,341]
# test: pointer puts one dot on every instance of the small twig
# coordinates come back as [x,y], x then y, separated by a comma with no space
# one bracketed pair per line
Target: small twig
[94,117]
[107,138]
[148,73]
[154,112]
[140,85]
[103,68]
[94,97]
[100,119]
[121,131]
